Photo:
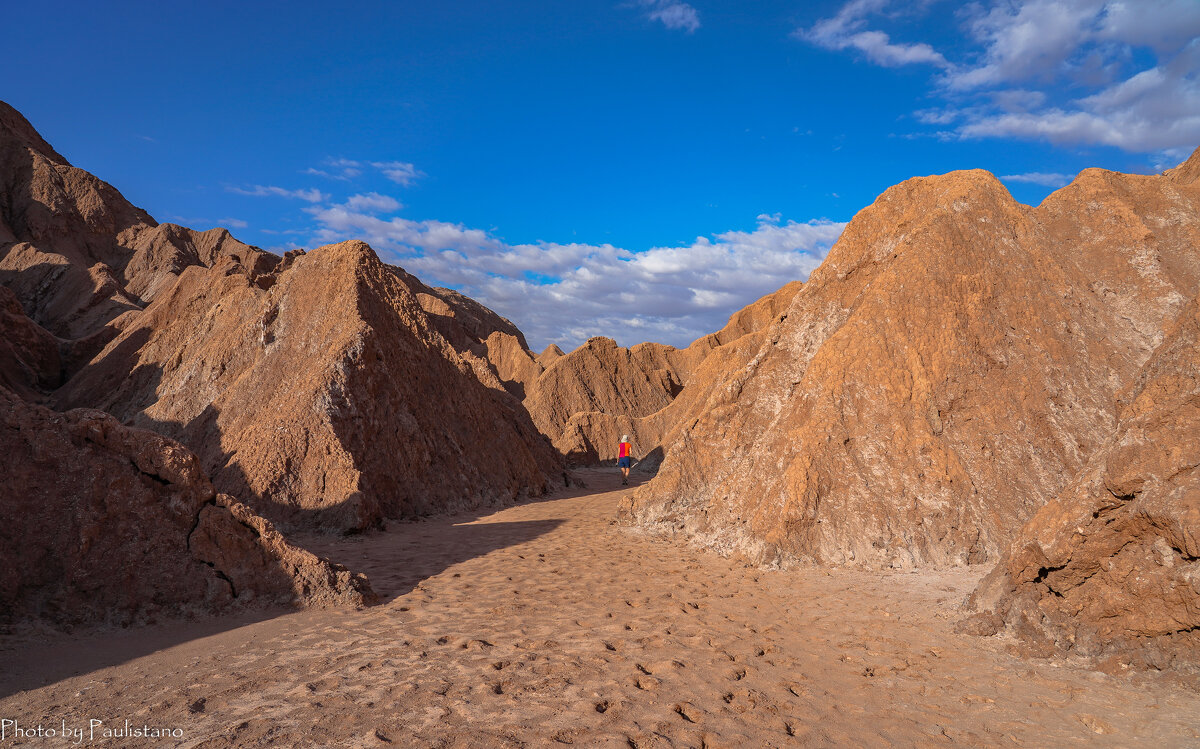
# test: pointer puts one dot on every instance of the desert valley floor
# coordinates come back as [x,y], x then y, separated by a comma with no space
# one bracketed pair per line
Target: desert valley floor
[548,624]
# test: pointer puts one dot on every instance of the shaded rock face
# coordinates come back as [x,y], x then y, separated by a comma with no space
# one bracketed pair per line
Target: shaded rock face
[30,361]
[1111,566]
[953,363]
[327,399]
[104,523]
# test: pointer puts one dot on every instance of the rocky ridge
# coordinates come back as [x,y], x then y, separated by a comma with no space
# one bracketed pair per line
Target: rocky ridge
[328,399]
[954,362]
[188,334]
[236,352]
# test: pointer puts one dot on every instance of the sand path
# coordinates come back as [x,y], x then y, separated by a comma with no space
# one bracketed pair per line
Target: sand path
[546,624]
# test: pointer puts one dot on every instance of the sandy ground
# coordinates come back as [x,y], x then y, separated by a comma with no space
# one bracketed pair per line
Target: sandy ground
[546,624]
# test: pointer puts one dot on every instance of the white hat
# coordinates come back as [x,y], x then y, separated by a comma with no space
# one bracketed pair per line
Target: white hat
[625,438]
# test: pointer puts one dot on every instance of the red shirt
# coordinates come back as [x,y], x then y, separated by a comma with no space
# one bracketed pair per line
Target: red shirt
[623,450]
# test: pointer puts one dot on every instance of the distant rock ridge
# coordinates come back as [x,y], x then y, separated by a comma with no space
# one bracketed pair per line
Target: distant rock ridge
[586,400]
[953,363]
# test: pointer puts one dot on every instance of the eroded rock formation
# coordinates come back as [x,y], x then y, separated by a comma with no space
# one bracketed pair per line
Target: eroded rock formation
[321,388]
[953,363]
[326,389]
[327,399]
[1111,566]
[104,523]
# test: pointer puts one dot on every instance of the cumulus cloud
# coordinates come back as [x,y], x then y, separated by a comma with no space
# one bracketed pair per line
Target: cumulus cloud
[565,293]
[1024,40]
[672,14]
[1048,39]
[372,202]
[1046,179]
[311,195]
[400,172]
[1024,54]
[1153,110]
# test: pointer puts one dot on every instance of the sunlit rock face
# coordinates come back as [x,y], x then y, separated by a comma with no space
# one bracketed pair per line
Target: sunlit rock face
[953,365]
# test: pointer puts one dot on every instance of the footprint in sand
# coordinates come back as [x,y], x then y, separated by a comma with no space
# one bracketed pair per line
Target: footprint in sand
[688,712]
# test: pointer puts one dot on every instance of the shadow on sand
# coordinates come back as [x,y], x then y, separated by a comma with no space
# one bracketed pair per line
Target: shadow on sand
[37,653]
[395,560]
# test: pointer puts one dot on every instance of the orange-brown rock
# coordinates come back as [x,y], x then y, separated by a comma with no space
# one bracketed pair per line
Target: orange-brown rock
[950,366]
[327,397]
[63,234]
[493,347]
[104,523]
[1111,566]
[600,376]
[548,355]
[588,399]
[161,254]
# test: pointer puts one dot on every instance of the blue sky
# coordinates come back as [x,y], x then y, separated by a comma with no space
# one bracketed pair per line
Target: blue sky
[637,169]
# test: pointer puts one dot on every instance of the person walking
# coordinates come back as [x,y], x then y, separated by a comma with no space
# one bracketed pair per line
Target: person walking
[624,458]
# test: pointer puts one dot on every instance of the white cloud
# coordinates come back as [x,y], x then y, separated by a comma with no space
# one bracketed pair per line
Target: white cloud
[1024,40]
[372,202]
[1154,110]
[312,195]
[565,293]
[937,116]
[1162,25]
[672,14]
[233,223]
[400,172]
[1025,54]
[1047,39]
[340,169]
[1017,99]
[846,30]
[1039,178]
